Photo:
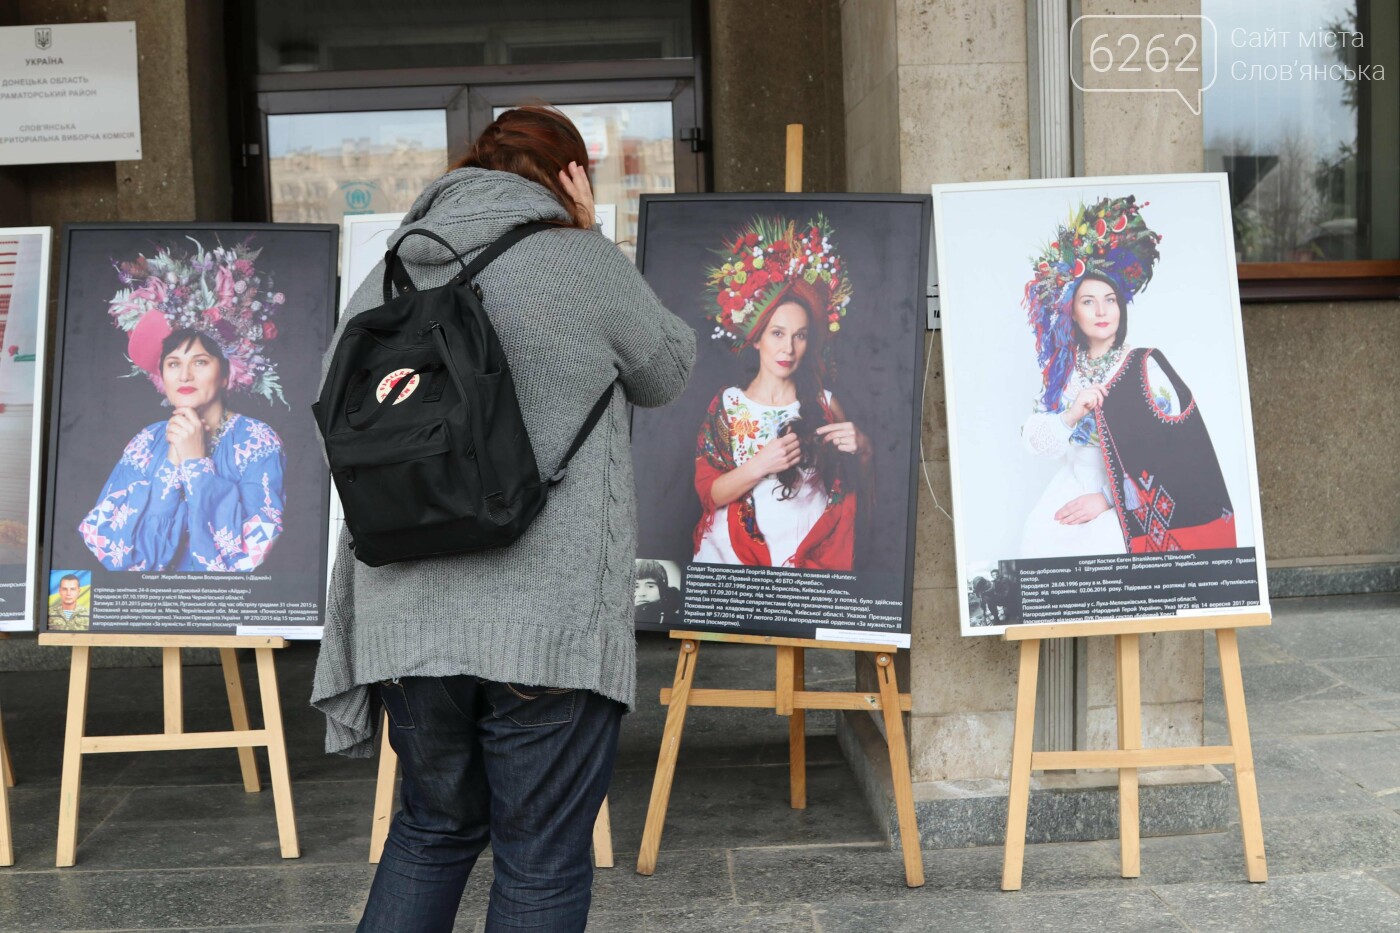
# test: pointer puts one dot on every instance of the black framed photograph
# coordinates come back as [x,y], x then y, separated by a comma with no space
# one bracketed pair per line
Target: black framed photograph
[186,483]
[777,496]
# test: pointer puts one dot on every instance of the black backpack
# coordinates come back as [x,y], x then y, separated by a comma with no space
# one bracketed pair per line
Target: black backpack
[421,424]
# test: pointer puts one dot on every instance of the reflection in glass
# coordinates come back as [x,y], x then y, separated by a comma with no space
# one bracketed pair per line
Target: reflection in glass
[1313,158]
[351,35]
[631,151]
[323,166]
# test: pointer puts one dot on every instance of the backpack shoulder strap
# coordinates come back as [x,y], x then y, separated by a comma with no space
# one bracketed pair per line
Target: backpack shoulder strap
[599,408]
[503,243]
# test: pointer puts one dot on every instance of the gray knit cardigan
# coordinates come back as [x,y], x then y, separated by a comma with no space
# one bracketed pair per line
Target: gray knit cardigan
[555,608]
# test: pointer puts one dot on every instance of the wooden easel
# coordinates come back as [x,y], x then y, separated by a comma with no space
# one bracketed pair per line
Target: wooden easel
[76,743]
[7,780]
[1130,755]
[384,808]
[788,698]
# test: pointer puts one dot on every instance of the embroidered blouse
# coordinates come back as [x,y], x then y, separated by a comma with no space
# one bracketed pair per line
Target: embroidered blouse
[1045,433]
[220,513]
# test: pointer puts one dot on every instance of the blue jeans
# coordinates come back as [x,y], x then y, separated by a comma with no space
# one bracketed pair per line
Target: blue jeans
[523,768]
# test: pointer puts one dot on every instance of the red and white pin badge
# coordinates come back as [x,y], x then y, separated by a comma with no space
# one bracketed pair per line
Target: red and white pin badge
[387,384]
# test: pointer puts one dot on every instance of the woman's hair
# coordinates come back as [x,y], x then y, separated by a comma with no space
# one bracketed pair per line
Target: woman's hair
[816,455]
[653,570]
[1122,334]
[535,142]
[183,337]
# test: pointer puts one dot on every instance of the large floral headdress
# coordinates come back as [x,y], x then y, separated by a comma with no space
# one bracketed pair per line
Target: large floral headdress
[1108,239]
[769,260]
[217,292]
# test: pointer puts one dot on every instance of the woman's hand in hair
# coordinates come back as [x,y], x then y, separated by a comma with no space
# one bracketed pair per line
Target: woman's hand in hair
[845,437]
[185,434]
[575,182]
[1086,401]
[1082,509]
[777,455]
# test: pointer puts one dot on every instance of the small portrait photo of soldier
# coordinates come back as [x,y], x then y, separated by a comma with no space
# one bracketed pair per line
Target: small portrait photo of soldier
[70,601]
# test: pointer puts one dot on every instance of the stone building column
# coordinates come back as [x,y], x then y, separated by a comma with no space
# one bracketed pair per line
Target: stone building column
[939,91]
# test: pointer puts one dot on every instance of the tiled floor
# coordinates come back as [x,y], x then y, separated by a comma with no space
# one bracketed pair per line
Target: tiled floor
[170,841]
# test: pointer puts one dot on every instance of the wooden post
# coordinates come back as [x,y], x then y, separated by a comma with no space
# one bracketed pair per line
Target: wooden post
[238,712]
[666,762]
[797,736]
[277,753]
[7,849]
[70,788]
[1227,642]
[899,768]
[602,838]
[1018,794]
[76,743]
[793,175]
[1130,755]
[1128,668]
[383,794]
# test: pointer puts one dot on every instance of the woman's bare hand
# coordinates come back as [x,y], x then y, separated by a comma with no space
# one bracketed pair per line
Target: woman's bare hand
[1087,400]
[845,437]
[1082,509]
[184,432]
[777,455]
[575,182]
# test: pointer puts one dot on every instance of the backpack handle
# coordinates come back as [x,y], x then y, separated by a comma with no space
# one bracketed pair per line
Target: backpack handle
[395,275]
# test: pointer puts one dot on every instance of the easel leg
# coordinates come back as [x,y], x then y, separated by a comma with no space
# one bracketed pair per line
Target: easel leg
[666,762]
[174,691]
[899,768]
[7,850]
[71,786]
[383,794]
[1018,796]
[7,765]
[238,711]
[1129,737]
[1256,868]
[277,753]
[797,736]
[602,838]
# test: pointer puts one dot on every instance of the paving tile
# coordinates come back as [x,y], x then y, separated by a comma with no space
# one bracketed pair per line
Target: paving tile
[1305,904]
[1368,676]
[1276,683]
[1329,793]
[1319,636]
[1371,760]
[34,818]
[732,807]
[826,875]
[1309,717]
[138,900]
[1257,647]
[1332,842]
[747,919]
[1126,911]
[220,843]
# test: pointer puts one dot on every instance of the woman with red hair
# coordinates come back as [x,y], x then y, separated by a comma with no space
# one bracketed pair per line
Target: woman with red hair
[505,672]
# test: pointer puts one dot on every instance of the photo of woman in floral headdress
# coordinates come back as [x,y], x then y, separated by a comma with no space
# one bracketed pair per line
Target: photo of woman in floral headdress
[1100,442]
[1137,470]
[202,488]
[778,465]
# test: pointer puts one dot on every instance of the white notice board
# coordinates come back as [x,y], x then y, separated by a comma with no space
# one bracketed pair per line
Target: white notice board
[68,93]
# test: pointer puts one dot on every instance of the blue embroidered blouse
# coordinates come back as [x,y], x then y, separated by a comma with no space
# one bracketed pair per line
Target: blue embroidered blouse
[220,513]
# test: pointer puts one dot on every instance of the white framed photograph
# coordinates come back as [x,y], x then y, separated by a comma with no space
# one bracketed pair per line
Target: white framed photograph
[25,254]
[1100,435]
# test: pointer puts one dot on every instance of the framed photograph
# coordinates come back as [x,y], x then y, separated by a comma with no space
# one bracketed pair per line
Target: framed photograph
[24,303]
[1098,413]
[777,496]
[364,239]
[185,477]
